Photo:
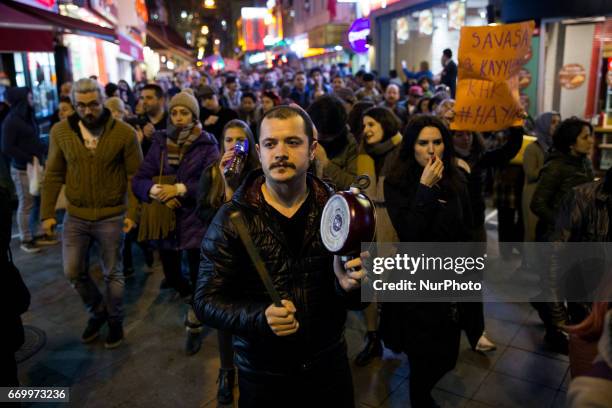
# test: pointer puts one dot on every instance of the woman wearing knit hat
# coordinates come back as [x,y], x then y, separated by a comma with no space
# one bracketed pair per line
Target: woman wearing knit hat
[167,185]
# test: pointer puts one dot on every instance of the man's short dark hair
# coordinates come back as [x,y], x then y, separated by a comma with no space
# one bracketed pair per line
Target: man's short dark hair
[288,112]
[448,53]
[159,93]
[567,133]
[315,69]
[249,95]
[300,73]
[65,99]
[368,76]
[110,89]
[393,73]
[230,80]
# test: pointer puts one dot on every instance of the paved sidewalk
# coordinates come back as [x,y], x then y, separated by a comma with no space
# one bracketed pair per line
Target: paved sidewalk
[150,368]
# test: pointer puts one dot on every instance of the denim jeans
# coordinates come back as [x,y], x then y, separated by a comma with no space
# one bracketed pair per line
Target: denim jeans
[108,235]
[27,213]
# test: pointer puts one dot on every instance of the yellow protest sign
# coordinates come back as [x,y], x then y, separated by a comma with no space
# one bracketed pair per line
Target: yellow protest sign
[490,59]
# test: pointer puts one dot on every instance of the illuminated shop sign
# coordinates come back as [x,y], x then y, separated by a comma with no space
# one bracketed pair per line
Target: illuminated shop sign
[358,34]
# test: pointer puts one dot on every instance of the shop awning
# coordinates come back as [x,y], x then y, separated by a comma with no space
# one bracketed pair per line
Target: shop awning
[27,28]
[160,37]
[22,32]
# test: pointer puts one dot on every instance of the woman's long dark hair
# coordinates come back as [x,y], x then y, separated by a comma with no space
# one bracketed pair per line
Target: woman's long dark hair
[216,194]
[407,171]
[424,99]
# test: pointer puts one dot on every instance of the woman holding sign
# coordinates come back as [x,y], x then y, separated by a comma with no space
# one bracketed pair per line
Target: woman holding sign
[427,200]
[470,150]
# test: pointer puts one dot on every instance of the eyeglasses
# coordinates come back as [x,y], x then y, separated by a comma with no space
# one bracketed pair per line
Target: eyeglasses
[91,106]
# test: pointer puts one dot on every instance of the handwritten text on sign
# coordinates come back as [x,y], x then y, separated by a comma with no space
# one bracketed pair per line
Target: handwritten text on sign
[490,59]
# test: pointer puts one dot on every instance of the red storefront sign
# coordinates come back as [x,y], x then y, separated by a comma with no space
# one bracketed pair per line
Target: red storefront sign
[129,47]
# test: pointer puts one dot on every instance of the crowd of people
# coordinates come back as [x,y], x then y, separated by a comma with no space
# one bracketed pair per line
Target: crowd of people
[148,167]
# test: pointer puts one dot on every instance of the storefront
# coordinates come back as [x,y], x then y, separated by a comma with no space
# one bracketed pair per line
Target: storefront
[414,31]
[132,25]
[27,59]
[327,57]
[173,52]
[575,65]
[31,45]
[92,56]
[36,70]
[326,45]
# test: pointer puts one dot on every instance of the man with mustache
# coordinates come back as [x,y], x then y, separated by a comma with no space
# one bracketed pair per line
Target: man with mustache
[292,355]
[94,155]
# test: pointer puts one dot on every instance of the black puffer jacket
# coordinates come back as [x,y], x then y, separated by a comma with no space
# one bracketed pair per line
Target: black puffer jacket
[231,296]
[560,174]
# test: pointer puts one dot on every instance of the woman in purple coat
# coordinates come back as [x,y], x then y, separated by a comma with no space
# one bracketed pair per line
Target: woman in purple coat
[179,155]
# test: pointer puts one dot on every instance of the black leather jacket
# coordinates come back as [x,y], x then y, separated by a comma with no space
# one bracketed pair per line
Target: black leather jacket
[584,216]
[231,296]
[560,174]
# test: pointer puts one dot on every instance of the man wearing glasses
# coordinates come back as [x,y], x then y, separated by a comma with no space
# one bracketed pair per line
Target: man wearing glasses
[94,155]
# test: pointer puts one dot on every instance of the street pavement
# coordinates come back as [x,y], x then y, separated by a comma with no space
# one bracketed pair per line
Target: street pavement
[150,368]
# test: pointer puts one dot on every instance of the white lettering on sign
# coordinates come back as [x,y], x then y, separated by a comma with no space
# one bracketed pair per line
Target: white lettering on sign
[358,35]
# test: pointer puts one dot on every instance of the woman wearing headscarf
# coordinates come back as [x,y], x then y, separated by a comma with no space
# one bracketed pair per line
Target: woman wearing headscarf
[533,161]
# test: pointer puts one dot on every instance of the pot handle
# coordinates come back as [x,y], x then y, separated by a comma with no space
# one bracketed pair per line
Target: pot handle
[361,182]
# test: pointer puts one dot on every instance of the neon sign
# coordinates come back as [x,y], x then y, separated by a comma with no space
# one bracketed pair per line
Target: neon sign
[358,34]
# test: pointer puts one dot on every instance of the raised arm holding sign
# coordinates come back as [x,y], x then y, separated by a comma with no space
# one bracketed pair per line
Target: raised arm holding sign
[490,59]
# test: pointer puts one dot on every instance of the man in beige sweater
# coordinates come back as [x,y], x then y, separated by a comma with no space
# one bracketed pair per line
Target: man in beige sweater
[95,156]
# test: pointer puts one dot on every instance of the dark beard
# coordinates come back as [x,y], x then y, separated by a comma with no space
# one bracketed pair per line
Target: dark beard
[92,123]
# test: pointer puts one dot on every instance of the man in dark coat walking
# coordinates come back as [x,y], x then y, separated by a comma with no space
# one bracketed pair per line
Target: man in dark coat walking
[21,144]
[294,354]
[448,76]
